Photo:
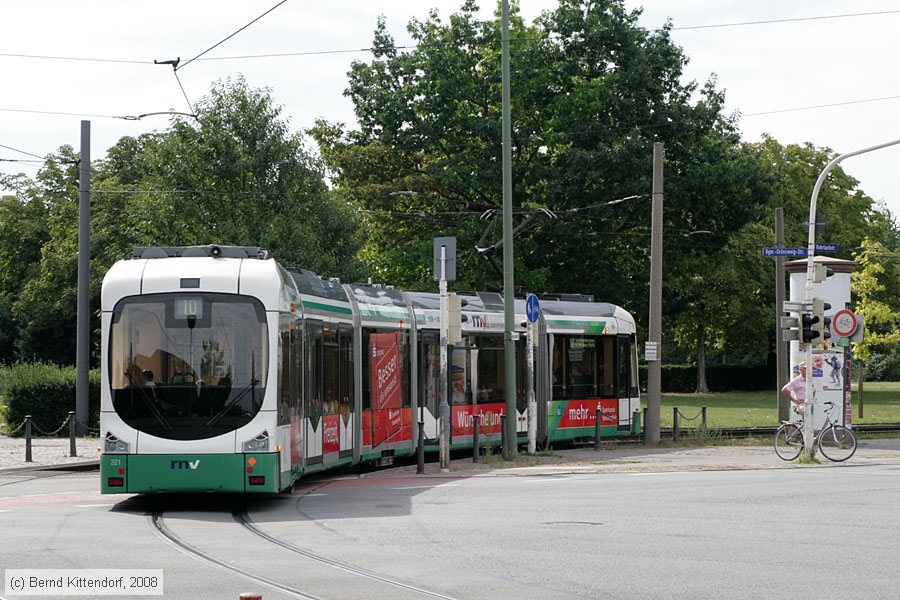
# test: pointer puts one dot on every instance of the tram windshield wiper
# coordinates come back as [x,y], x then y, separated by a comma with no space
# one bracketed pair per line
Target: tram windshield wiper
[231,402]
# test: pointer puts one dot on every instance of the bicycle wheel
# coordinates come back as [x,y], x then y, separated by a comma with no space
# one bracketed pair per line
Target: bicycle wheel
[788,442]
[837,443]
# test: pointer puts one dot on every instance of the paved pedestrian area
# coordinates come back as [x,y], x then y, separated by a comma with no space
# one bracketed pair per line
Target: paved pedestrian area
[46,452]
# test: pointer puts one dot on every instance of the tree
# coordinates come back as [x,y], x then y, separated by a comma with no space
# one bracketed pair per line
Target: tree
[880,311]
[23,230]
[591,92]
[236,175]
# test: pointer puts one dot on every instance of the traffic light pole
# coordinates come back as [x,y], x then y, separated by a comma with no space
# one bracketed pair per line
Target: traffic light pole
[444,448]
[808,435]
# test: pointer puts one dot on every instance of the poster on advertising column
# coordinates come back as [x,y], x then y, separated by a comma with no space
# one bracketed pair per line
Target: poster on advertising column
[828,380]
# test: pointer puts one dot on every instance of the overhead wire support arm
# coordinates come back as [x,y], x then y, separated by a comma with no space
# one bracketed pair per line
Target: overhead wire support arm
[489,251]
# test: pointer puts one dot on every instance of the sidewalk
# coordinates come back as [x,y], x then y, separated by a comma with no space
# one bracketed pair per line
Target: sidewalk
[48,452]
[637,458]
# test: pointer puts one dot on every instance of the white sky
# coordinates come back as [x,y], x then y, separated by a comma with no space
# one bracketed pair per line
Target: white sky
[762,67]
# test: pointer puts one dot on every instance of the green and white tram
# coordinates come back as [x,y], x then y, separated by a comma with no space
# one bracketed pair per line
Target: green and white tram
[224,372]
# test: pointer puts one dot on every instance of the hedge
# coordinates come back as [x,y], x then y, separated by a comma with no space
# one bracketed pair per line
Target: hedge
[47,393]
[719,378]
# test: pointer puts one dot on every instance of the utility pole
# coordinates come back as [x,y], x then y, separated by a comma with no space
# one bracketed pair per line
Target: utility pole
[783,404]
[654,367]
[509,335]
[810,269]
[83,316]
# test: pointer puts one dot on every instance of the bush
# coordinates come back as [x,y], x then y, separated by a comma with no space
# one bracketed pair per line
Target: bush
[884,367]
[719,378]
[47,393]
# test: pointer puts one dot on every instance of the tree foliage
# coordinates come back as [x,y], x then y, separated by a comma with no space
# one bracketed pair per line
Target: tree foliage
[878,308]
[592,91]
[234,175]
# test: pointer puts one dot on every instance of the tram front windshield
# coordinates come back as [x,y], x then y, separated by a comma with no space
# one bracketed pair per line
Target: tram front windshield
[188,366]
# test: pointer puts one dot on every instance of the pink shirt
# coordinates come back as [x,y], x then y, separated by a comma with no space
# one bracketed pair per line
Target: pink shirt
[796,389]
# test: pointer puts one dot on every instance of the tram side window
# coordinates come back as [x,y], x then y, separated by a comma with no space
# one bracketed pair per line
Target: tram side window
[626,384]
[345,389]
[429,361]
[314,372]
[560,374]
[583,367]
[331,373]
[284,371]
[296,370]
[607,371]
[582,355]
[489,379]
[461,372]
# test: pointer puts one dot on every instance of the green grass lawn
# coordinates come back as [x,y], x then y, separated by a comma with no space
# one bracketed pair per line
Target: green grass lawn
[750,409]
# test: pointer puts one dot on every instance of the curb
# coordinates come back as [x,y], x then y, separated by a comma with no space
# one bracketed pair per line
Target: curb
[91,465]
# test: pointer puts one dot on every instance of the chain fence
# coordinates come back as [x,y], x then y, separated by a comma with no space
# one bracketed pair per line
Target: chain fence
[676,427]
[31,427]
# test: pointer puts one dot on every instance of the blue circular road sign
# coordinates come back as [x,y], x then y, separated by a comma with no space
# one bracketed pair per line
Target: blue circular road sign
[532,308]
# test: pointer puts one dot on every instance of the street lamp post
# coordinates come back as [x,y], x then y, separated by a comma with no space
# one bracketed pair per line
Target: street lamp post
[810,268]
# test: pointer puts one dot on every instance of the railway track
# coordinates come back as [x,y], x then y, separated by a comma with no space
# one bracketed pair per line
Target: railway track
[240,515]
[158,526]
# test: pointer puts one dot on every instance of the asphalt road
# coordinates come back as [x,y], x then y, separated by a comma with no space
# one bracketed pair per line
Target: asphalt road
[826,532]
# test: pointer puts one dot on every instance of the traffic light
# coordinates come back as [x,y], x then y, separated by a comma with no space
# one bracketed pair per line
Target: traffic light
[809,331]
[821,273]
[821,323]
[455,318]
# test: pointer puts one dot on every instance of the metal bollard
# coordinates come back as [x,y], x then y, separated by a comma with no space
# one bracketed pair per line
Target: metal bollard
[72,450]
[503,435]
[703,413]
[420,450]
[28,438]
[597,432]
[674,423]
[476,447]
[644,424]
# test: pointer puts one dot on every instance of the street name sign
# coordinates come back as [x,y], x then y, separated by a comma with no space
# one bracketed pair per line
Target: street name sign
[798,252]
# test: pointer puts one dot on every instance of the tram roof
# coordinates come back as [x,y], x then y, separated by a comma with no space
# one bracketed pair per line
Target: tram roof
[378,295]
[493,302]
[313,285]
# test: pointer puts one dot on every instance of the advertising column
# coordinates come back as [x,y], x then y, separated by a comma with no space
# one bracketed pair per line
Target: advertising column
[830,369]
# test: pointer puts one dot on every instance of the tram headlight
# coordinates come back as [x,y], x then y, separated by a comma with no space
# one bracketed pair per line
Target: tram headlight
[114,444]
[258,444]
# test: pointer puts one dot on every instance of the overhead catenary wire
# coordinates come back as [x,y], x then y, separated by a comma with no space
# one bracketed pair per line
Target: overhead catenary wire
[216,45]
[201,57]
[21,151]
[788,20]
[816,106]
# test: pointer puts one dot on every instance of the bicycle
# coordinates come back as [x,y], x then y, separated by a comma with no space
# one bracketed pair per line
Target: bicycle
[836,442]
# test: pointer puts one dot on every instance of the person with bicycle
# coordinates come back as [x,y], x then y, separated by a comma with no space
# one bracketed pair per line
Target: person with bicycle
[835,441]
[795,390]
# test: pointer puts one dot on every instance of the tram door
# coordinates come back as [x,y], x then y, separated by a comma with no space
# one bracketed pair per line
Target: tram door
[626,379]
